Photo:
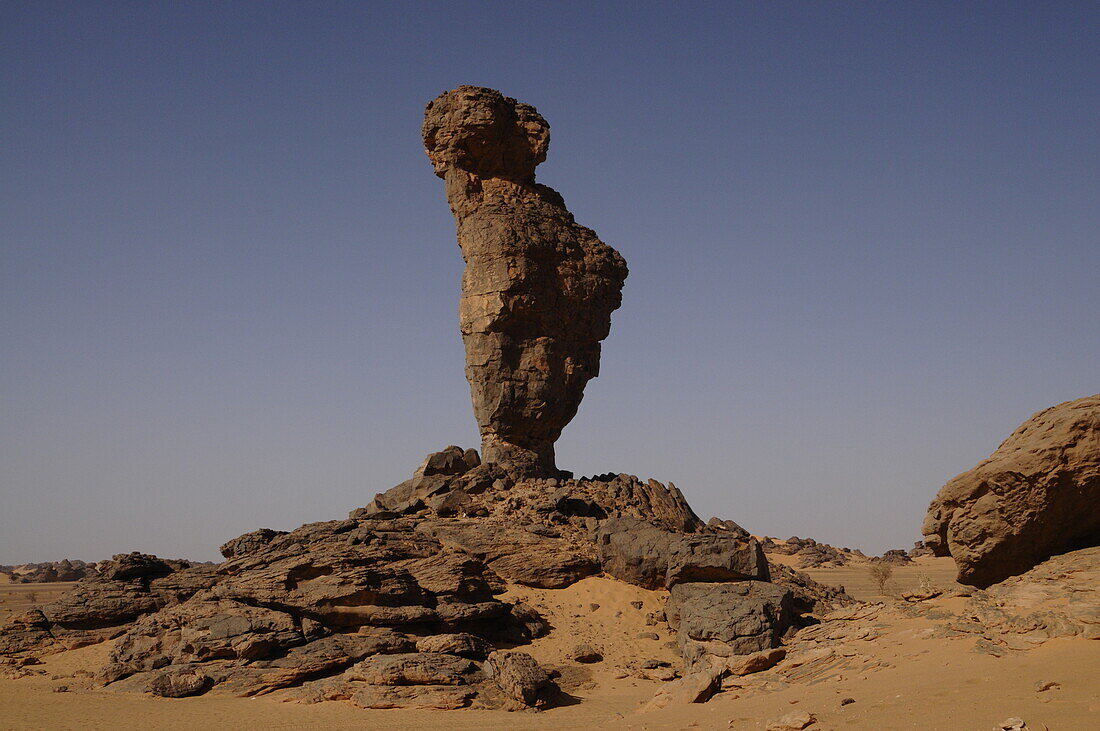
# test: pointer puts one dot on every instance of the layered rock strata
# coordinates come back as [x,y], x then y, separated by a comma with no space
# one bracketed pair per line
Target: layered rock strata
[1035,497]
[538,289]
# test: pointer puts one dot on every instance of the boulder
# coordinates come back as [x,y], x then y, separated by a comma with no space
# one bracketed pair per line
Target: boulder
[462,644]
[585,653]
[744,617]
[695,687]
[714,557]
[249,542]
[27,631]
[415,668]
[520,677]
[1033,498]
[640,553]
[793,721]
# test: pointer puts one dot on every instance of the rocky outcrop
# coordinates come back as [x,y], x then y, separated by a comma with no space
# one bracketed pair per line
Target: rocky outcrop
[401,604]
[406,602]
[1033,498]
[893,557]
[538,290]
[49,572]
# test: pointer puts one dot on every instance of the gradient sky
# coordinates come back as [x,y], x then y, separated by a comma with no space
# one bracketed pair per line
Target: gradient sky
[864,244]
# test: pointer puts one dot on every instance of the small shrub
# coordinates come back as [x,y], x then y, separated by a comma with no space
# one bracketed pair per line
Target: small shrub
[881,573]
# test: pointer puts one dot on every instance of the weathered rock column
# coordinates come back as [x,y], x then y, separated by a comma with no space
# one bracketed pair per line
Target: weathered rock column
[538,290]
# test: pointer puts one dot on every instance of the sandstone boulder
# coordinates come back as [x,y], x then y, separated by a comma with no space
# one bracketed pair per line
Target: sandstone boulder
[1033,498]
[461,644]
[178,685]
[520,677]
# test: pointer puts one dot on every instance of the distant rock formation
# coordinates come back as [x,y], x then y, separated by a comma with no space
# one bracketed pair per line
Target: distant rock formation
[538,290]
[1035,497]
[811,554]
[49,571]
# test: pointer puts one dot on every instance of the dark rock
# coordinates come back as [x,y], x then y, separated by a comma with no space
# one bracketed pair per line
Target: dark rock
[808,595]
[462,644]
[894,557]
[129,566]
[715,557]
[728,525]
[451,461]
[642,554]
[249,542]
[745,617]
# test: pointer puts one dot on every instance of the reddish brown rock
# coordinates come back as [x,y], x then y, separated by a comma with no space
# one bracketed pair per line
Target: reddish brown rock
[1035,497]
[538,290]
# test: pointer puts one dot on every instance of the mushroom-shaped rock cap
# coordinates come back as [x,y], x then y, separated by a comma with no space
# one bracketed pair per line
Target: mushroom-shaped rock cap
[483,132]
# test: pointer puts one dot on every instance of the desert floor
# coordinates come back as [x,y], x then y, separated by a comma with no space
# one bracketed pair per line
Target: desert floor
[899,677]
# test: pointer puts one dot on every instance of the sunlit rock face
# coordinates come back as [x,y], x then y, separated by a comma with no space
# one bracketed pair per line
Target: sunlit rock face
[1033,498]
[538,289]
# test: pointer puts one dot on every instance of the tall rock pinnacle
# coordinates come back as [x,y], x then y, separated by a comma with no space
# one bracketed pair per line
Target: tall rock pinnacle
[538,290]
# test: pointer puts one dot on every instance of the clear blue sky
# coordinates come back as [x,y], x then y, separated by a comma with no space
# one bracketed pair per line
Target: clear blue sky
[864,241]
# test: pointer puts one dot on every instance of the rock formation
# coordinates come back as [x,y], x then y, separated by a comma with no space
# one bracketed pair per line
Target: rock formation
[400,604]
[538,290]
[405,603]
[1035,497]
[49,571]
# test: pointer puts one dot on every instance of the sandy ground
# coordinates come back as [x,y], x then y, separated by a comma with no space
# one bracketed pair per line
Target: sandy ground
[921,683]
[18,598]
[856,577]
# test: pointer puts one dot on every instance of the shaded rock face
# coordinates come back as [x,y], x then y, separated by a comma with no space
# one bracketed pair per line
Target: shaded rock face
[1033,498]
[538,290]
[725,619]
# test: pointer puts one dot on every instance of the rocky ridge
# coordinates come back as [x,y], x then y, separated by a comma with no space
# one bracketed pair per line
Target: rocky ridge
[399,605]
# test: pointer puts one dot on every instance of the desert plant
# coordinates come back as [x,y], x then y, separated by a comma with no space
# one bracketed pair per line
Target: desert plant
[881,573]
